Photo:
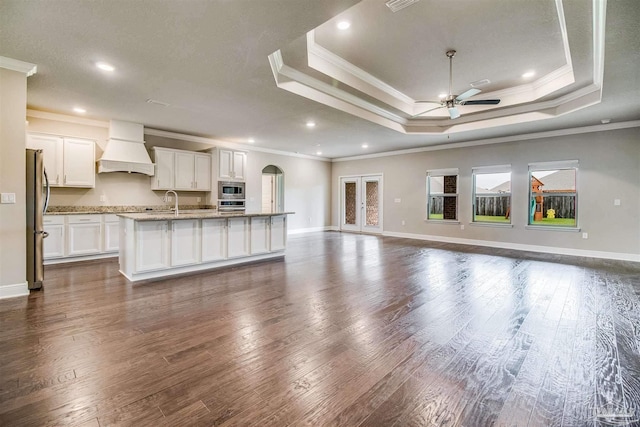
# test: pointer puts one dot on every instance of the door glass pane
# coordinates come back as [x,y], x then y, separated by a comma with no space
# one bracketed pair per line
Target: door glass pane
[350,203]
[371,188]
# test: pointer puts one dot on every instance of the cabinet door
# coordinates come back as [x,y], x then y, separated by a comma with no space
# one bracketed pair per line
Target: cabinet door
[259,234]
[225,164]
[202,175]
[278,233]
[151,245]
[164,172]
[185,171]
[237,237]
[111,237]
[84,238]
[54,242]
[185,242]
[51,147]
[214,239]
[79,163]
[239,165]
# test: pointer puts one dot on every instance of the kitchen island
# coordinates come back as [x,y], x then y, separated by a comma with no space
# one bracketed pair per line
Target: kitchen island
[160,244]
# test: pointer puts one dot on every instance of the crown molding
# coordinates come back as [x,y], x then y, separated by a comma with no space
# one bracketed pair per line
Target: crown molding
[66,118]
[16,65]
[500,140]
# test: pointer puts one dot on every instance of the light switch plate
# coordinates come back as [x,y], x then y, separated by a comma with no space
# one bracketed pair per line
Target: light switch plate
[8,198]
[616,202]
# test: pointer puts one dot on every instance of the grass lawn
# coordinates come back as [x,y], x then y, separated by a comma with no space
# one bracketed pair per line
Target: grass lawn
[489,218]
[556,221]
[435,216]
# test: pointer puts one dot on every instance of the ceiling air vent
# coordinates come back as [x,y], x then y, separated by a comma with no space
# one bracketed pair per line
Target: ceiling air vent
[156,102]
[396,5]
[480,83]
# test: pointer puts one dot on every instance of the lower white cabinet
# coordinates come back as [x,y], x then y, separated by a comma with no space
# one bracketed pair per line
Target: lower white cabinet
[111,235]
[84,234]
[237,237]
[214,239]
[260,234]
[185,242]
[152,245]
[54,243]
[278,233]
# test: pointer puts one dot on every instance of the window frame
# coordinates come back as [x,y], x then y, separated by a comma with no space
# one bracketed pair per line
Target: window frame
[432,173]
[481,170]
[553,166]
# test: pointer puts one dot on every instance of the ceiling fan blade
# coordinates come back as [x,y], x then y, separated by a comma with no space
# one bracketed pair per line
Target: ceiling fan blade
[454,113]
[468,94]
[481,102]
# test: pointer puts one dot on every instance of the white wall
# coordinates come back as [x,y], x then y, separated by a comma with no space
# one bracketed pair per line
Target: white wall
[609,168]
[13,246]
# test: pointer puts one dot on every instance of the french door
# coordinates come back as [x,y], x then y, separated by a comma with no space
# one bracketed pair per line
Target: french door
[361,203]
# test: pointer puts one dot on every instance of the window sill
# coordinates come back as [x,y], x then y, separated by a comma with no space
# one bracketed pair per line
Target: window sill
[490,224]
[552,228]
[443,221]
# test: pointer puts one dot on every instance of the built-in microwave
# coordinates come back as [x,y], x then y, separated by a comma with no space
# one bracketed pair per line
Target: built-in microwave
[230,190]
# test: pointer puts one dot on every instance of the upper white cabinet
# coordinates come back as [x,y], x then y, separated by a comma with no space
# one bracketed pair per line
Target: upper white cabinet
[181,170]
[232,164]
[70,162]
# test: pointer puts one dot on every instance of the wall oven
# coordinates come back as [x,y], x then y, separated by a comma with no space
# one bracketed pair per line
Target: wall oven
[230,190]
[231,206]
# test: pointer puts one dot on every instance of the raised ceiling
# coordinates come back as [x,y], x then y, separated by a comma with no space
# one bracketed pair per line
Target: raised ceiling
[234,70]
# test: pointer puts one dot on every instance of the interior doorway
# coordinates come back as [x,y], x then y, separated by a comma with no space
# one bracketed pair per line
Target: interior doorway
[361,203]
[272,189]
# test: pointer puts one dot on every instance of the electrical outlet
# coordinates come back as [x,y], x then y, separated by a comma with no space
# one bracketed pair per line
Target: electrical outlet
[585,235]
[616,202]
[397,200]
[402,222]
[103,198]
[169,198]
[199,199]
[461,226]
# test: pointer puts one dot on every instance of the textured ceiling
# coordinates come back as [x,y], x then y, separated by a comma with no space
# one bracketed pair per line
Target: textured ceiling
[208,59]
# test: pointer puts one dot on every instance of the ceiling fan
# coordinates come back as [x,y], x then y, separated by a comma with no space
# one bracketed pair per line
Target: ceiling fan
[451,101]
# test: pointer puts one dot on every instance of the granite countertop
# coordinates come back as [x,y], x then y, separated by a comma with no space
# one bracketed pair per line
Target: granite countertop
[84,210]
[193,214]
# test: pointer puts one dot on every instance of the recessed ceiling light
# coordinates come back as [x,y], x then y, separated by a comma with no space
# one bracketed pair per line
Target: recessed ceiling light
[104,66]
[529,74]
[442,95]
[605,121]
[79,110]
[251,140]
[319,153]
[365,145]
[311,124]
[343,25]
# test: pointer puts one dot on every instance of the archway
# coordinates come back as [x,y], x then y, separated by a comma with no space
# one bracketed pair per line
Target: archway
[272,189]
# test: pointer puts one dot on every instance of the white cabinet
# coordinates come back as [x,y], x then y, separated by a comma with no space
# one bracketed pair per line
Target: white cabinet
[84,234]
[214,239]
[152,245]
[111,233]
[70,162]
[278,233]
[237,237]
[164,173]
[260,234]
[232,164]
[185,242]
[181,170]
[54,243]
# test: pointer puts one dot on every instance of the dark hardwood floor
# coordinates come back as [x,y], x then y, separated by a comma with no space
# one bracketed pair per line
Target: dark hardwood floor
[347,330]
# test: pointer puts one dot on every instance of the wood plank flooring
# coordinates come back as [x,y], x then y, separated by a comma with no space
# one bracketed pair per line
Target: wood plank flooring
[347,330]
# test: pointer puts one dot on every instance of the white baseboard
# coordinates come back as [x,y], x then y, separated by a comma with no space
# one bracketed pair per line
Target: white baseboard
[620,256]
[15,290]
[65,260]
[310,230]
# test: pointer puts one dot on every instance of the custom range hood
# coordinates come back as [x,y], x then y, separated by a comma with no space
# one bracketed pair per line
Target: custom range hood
[125,150]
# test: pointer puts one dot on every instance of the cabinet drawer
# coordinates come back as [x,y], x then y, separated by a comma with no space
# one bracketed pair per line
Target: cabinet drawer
[111,218]
[80,219]
[53,219]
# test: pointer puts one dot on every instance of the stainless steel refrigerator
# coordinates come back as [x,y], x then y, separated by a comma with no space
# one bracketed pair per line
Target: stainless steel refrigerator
[37,200]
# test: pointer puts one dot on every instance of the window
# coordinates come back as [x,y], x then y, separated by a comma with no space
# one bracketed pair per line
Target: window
[553,194]
[492,194]
[442,194]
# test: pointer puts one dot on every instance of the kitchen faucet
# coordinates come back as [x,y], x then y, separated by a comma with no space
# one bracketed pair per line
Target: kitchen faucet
[166,199]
